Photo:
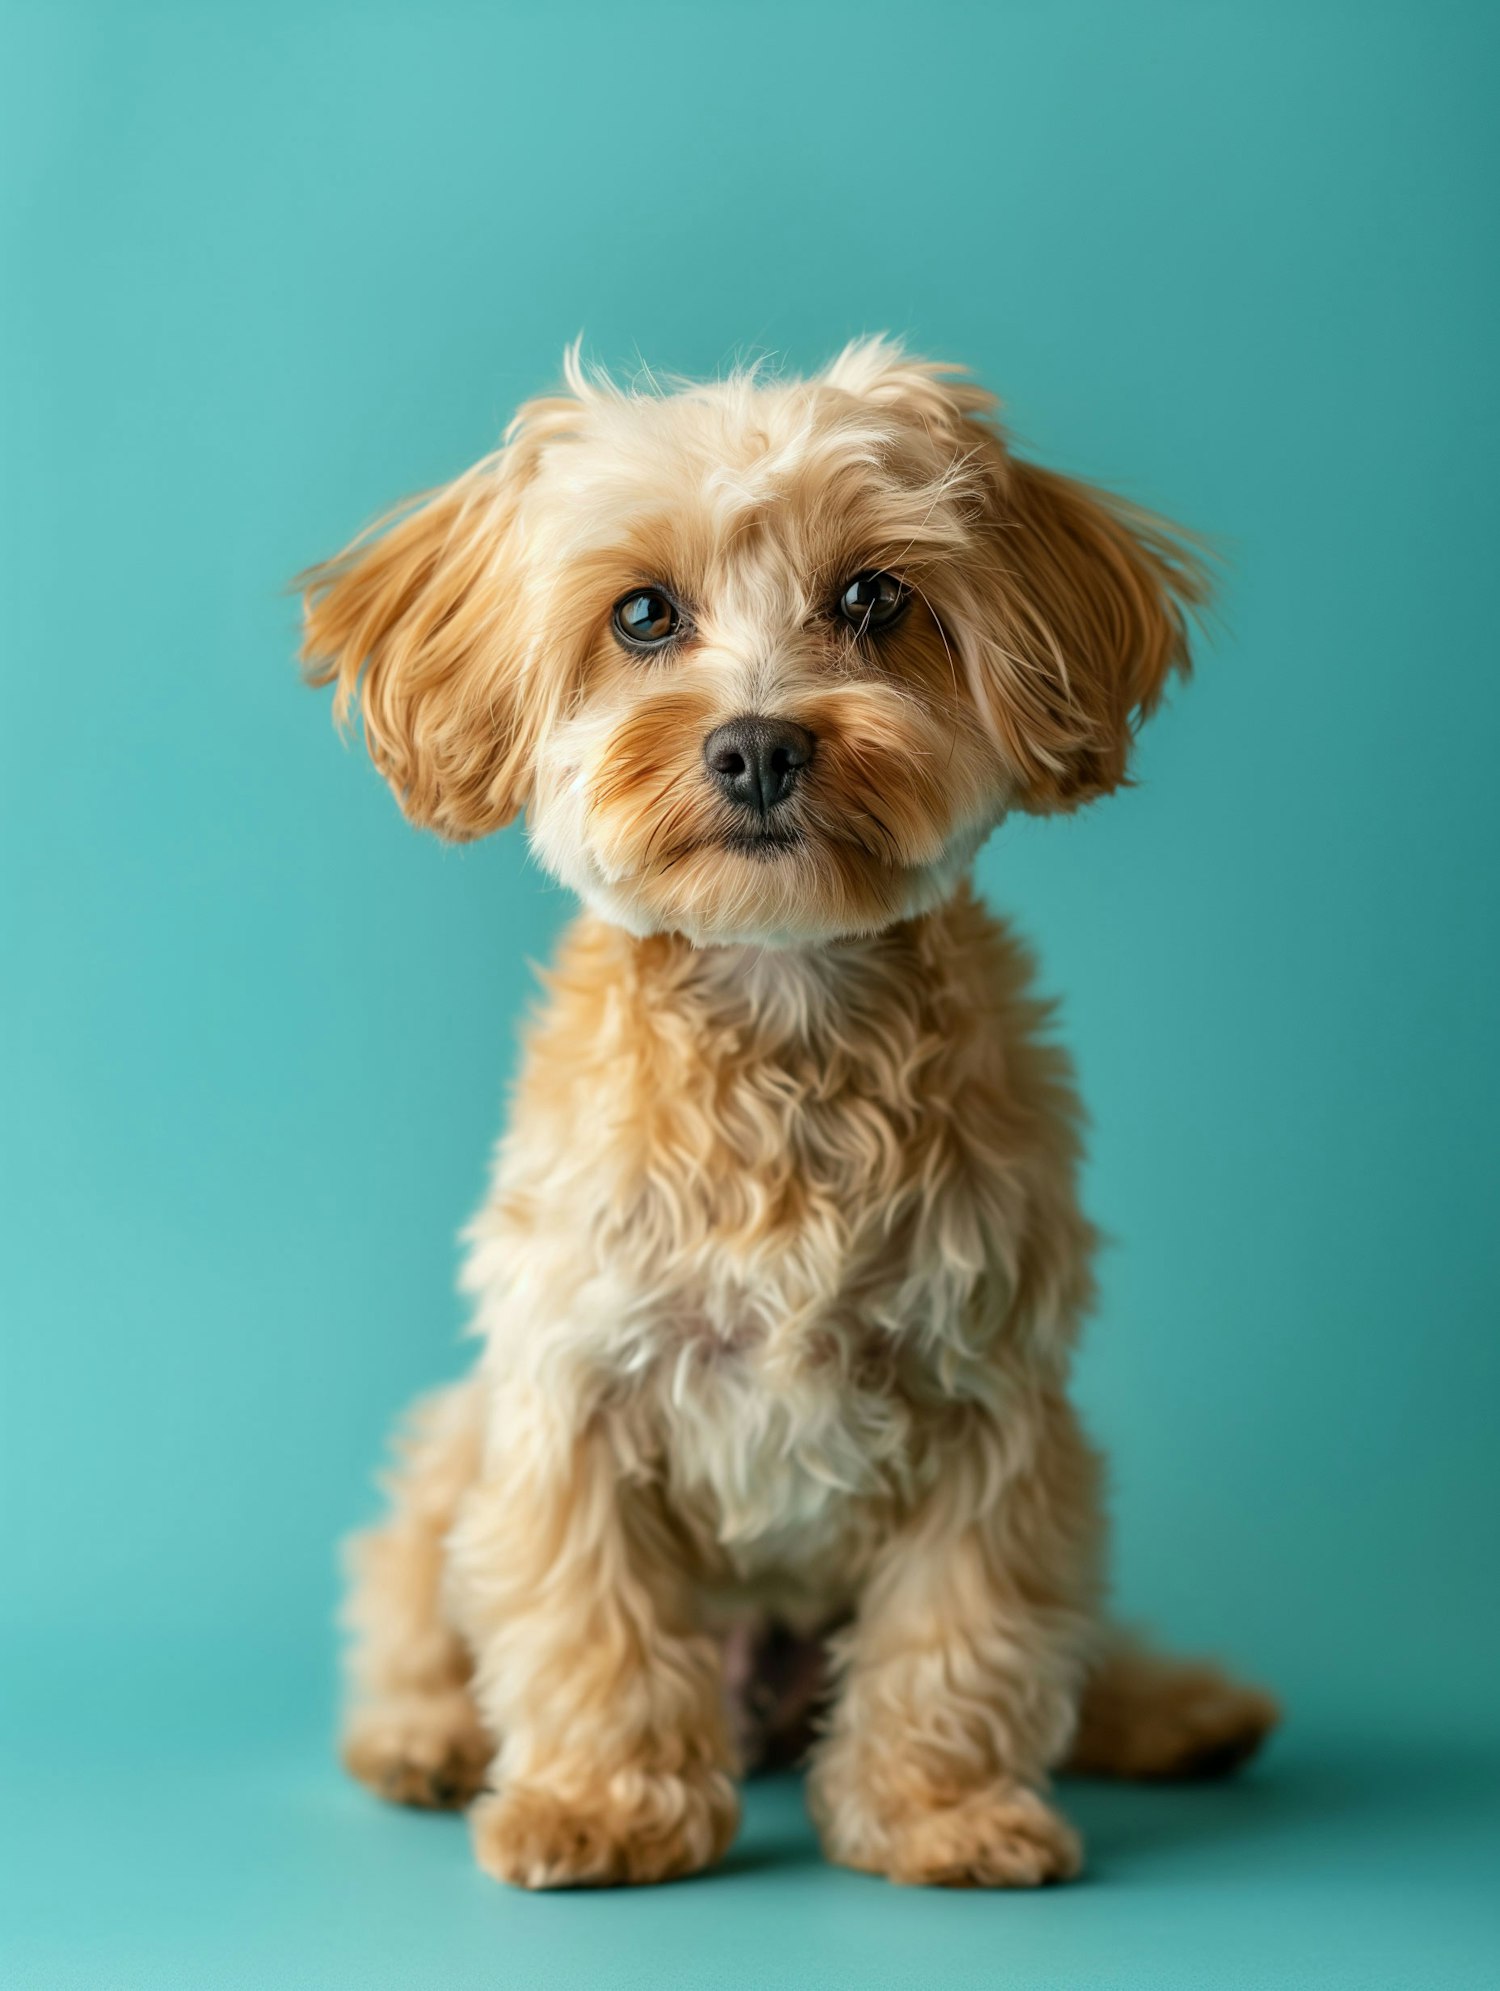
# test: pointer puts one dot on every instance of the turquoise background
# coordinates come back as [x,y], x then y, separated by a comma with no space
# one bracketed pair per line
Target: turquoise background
[266,269]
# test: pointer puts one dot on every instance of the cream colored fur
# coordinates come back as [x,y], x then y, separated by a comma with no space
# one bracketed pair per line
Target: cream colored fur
[782,1267]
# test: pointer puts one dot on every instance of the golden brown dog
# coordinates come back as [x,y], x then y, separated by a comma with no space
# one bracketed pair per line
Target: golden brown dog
[783,1264]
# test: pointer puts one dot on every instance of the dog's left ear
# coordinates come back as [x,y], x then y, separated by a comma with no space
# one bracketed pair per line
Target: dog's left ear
[1071,607]
[1091,599]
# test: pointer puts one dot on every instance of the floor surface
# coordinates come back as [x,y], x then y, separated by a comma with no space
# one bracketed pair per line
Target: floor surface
[180,1859]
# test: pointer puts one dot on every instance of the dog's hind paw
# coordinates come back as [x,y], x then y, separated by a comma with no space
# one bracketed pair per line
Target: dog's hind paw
[1153,1718]
[421,1749]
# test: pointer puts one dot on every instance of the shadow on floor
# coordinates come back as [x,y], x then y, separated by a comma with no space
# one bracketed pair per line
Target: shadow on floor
[1329,1796]
[1344,1793]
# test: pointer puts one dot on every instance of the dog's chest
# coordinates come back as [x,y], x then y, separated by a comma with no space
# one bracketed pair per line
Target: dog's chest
[782,1238]
[810,1324]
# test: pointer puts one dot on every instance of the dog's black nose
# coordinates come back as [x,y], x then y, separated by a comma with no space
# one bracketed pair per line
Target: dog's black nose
[755,762]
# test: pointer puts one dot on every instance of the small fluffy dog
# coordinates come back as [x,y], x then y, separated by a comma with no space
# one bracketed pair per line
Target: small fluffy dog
[783,1264]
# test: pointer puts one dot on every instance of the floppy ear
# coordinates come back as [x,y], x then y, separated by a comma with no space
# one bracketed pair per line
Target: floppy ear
[1092,598]
[1070,606]
[417,623]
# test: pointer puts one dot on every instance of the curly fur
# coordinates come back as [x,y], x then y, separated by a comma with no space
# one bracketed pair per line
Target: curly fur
[782,1265]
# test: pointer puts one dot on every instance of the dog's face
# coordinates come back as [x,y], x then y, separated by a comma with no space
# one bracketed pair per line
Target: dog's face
[760,661]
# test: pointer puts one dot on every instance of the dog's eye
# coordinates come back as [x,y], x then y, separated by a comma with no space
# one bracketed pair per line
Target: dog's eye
[873,601]
[646,619]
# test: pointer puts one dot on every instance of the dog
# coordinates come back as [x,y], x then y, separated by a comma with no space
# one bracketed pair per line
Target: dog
[783,1264]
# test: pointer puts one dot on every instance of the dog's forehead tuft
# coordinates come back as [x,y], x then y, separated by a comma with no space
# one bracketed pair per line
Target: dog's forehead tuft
[735,451]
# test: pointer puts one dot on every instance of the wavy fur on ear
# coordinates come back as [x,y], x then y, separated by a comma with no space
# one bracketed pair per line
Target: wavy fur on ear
[418,624]
[1094,595]
[1074,603]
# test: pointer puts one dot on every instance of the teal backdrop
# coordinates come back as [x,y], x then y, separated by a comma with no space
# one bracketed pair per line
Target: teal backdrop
[268,268]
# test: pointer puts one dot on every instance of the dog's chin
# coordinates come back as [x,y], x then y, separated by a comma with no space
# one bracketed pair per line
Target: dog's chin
[761,887]
[761,843]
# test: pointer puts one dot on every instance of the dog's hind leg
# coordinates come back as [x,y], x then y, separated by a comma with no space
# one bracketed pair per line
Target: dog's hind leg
[1150,1717]
[412,1731]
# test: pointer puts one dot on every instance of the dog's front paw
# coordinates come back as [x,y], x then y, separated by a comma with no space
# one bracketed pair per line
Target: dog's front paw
[638,1826]
[1005,1836]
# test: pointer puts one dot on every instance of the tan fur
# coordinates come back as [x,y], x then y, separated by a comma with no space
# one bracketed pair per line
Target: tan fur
[782,1267]
[412,1730]
[1155,1718]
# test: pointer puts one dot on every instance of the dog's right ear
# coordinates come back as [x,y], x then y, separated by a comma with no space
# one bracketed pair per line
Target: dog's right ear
[417,623]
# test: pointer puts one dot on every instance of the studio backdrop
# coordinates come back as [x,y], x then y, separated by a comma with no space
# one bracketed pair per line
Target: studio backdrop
[268,270]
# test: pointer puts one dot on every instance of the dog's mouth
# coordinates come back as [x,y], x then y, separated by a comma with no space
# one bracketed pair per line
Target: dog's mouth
[761,840]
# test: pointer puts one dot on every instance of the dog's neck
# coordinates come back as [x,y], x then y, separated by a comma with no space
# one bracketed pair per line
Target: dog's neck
[799,991]
[833,991]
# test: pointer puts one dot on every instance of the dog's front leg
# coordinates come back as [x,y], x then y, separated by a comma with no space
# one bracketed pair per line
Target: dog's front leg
[615,1759]
[961,1675]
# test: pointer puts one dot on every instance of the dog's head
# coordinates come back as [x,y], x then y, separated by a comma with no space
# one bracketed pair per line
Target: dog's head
[761,660]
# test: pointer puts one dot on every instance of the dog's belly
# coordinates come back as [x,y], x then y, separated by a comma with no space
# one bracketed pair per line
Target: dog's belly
[784,1508]
[787,1454]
